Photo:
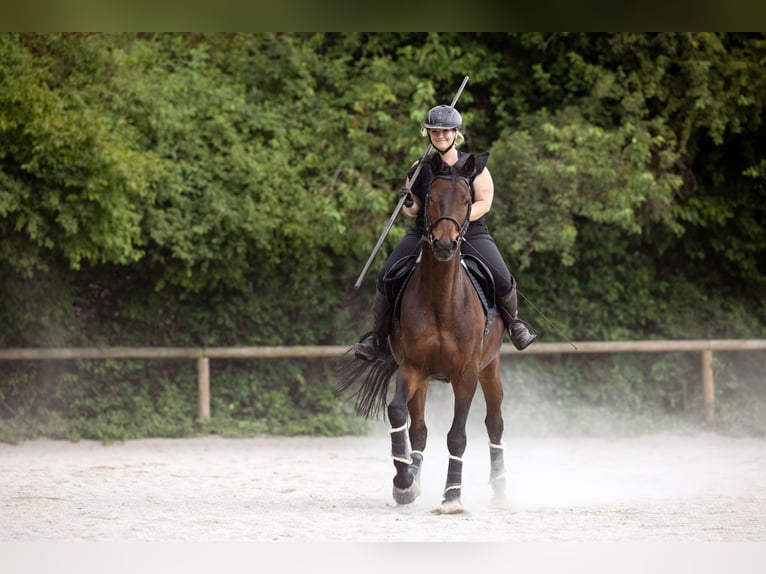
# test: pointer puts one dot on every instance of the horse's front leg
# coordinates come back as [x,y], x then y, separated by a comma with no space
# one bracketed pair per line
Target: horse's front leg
[418,431]
[456,442]
[407,463]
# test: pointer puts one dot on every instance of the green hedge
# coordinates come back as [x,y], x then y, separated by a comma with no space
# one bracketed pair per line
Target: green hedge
[227,189]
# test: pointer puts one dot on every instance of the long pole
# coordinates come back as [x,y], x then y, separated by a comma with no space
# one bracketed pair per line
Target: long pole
[402,199]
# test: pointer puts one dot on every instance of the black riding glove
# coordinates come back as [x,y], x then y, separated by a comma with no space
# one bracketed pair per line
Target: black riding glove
[408,194]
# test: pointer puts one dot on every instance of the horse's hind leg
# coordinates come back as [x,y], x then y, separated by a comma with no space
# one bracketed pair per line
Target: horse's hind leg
[406,480]
[493,394]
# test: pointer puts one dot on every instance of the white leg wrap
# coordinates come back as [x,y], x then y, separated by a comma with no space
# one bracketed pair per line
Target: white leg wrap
[453,457]
[400,458]
[500,446]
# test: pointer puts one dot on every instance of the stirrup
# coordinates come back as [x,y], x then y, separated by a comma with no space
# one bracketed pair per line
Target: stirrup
[529,338]
[368,348]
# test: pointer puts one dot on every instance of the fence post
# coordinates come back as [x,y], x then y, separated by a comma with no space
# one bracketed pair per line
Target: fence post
[203,384]
[708,386]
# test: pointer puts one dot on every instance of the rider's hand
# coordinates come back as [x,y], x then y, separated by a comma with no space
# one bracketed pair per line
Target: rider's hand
[408,194]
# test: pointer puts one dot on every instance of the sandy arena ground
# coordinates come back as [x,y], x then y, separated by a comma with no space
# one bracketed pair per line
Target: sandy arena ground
[654,488]
[661,503]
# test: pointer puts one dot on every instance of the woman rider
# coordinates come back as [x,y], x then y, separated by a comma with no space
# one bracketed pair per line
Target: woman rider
[442,125]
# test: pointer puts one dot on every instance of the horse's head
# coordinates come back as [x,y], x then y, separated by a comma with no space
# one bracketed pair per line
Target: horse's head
[448,207]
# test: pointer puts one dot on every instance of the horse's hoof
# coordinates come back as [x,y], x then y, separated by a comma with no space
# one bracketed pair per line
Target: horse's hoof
[407,495]
[451,507]
[499,500]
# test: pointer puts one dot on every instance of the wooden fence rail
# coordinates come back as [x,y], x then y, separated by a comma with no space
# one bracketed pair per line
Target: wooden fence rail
[204,354]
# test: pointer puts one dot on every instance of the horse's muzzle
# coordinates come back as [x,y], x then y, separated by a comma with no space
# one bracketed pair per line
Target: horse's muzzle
[444,250]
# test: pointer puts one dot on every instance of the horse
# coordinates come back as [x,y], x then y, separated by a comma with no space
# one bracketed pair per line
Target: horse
[443,333]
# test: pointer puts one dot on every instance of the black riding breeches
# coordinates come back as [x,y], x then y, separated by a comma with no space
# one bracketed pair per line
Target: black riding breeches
[485,248]
[409,245]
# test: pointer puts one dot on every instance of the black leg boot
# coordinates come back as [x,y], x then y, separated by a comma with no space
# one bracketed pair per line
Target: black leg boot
[368,348]
[517,329]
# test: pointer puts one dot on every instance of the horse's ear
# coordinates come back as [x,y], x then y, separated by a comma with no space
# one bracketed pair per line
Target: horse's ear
[469,166]
[436,163]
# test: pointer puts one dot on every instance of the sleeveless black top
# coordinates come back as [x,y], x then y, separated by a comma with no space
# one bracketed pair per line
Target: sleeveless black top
[423,183]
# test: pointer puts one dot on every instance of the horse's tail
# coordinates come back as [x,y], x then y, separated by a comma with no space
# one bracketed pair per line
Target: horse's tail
[372,379]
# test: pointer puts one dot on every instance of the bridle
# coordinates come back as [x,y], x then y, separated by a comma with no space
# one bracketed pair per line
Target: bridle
[461,227]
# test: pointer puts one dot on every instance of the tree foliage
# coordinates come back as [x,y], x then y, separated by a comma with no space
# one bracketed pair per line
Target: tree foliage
[227,188]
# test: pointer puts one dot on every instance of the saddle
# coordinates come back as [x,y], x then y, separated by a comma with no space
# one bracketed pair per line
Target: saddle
[396,279]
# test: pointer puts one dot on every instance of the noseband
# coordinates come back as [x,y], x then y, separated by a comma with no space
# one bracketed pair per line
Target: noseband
[428,236]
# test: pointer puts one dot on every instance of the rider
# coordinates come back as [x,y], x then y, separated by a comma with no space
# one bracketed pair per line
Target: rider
[442,126]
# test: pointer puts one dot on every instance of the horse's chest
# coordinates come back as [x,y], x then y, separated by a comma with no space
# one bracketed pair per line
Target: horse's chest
[438,355]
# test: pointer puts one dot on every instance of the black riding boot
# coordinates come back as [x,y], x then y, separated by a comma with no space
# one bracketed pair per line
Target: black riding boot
[517,329]
[369,347]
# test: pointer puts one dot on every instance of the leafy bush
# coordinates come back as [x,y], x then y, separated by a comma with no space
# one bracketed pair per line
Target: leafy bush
[226,189]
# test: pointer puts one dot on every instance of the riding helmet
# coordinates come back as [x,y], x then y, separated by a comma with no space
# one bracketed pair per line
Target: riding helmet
[443,117]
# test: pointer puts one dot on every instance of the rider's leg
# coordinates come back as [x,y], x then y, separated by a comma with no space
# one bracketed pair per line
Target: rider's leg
[484,247]
[517,329]
[368,348]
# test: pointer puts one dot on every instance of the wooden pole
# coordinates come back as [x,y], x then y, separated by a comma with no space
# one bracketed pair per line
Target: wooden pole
[708,385]
[278,351]
[203,383]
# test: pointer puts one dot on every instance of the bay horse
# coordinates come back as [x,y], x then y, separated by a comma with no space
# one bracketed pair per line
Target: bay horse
[443,334]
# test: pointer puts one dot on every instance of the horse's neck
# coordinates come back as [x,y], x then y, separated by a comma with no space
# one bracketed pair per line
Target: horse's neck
[441,279]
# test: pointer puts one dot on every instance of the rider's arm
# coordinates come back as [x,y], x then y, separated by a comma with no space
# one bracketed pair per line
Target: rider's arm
[483,193]
[412,210]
